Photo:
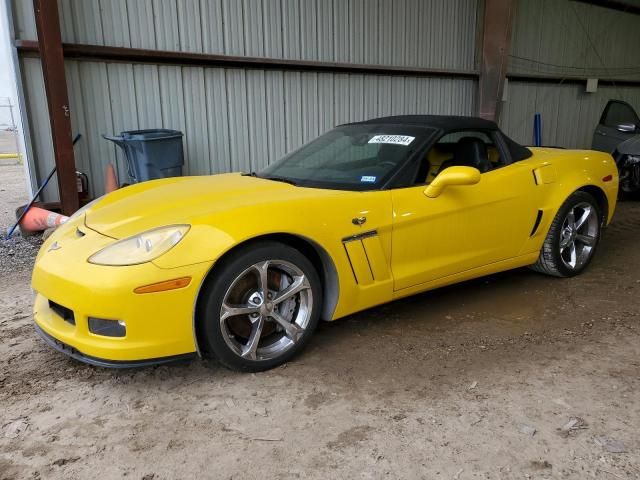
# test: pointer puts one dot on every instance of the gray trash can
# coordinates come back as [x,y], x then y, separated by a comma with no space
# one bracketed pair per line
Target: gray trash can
[151,154]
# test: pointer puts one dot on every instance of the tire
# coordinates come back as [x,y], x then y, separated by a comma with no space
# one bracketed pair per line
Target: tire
[629,189]
[570,245]
[248,331]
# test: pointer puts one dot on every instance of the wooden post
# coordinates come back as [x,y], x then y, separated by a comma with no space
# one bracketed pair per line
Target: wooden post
[496,45]
[55,82]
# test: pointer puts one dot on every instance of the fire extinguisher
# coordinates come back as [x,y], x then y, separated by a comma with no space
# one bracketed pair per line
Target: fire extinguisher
[82,184]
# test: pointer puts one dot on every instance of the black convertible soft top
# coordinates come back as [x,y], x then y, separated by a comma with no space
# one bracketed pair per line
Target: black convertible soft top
[450,123]
[445,123]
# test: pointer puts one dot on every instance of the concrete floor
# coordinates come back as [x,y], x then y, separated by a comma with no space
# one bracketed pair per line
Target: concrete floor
[468,382]
[8,142]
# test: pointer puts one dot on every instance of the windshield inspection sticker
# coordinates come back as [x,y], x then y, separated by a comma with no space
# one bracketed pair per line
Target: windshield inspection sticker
[367,178]
[393,139]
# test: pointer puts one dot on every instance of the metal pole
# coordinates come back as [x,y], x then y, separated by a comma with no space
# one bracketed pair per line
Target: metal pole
[13,120]
[55,82]
[496,45]
[14,128]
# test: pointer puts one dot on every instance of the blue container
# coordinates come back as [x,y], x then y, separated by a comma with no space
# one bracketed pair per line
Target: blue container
[537,130]
[151,154]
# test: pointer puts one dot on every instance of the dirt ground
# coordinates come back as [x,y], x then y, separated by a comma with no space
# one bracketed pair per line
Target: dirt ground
[475,381]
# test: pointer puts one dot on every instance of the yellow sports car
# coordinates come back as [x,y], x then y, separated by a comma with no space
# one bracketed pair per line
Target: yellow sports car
[242,266]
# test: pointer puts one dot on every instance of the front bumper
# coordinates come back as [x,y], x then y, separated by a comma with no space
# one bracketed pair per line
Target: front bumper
[159,326]
[101,362]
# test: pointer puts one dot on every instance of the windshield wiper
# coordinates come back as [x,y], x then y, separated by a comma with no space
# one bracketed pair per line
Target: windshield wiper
[282,179]
[275,179]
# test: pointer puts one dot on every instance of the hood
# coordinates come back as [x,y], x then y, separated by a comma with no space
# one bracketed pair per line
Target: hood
[136,208]
[630,147]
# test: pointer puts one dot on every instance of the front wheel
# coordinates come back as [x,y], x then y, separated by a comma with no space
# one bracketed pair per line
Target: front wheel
[260,307]
[572,238]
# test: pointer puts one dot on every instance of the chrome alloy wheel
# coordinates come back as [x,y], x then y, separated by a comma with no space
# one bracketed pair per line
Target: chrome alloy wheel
[578,235]
[266,310]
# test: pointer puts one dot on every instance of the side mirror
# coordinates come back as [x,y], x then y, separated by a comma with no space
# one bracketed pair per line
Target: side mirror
[450,177]
[626,127]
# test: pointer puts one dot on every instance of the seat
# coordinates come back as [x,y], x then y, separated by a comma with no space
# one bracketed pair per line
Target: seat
[469,152]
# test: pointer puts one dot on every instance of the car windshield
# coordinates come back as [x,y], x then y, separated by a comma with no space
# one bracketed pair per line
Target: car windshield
[351,157]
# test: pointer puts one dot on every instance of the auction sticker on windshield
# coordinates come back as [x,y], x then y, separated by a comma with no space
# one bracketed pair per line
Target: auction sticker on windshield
[393,139]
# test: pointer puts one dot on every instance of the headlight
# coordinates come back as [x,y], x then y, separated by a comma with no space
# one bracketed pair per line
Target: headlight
[141,248]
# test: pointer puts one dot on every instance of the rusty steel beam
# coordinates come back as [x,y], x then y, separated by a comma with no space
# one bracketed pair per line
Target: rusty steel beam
[496,44]
[163,57]
[55,82]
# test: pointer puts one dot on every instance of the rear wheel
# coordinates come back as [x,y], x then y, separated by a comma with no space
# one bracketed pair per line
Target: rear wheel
[260,307]
[572,238]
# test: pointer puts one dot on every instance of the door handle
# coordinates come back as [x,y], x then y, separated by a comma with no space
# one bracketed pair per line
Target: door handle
[359,221]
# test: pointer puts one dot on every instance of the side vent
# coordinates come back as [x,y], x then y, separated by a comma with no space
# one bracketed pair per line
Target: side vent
[359,262]
[366,258]
[536,223]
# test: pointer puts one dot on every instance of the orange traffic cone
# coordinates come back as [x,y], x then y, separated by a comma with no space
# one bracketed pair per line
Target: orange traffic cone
[38,219]
[110,179]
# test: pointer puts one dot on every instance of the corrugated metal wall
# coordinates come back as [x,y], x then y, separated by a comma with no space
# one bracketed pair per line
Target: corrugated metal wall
[233,119]
[242,119]
[433,33]
[569,115]
[237,119]
[562,37]
[565,38]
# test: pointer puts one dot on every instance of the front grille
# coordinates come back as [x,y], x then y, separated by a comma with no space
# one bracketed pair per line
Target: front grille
[63,312]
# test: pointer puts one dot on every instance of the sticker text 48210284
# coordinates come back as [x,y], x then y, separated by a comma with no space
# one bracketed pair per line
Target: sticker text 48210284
[393,139]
